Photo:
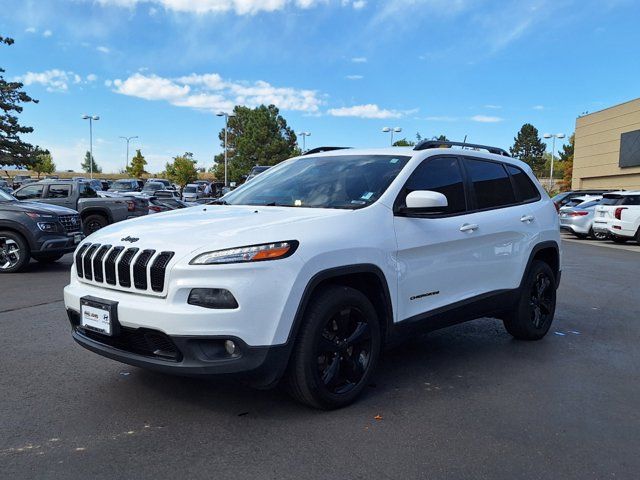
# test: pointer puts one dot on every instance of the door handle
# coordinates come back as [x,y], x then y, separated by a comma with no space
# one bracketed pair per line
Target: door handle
[469,227]
[527,218]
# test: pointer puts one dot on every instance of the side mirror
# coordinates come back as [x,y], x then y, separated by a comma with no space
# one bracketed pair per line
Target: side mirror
[426,201]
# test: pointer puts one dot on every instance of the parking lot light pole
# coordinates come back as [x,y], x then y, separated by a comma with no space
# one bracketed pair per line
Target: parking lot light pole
[128,139]
[304,136]
[553,152]
[91,118]
[226,129]
[391,130]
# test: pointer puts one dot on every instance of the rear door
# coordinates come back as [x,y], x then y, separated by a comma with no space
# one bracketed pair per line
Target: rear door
[60,194]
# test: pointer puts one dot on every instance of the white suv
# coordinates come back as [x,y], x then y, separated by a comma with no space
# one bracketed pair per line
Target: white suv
[304,273]
[618,215]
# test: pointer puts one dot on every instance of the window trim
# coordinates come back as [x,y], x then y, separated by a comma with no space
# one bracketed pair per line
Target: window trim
[515,186]
[402,193]
[45,194]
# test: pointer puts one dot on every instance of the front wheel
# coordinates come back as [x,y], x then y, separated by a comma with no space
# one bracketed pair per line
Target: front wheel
[93,223]
[14,252]
[532,316]
[336,350]
[598,235]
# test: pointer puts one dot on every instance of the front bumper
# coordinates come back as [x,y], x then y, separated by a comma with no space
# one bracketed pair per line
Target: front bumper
[185,355]
[58,243]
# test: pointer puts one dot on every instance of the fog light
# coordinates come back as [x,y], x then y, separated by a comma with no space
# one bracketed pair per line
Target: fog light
[230,347]
[218,298]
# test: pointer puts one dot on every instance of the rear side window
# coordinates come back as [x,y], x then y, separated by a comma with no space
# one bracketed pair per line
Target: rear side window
[86,191]
[525,188]
[612,200]
[58,191]
[440,175]
[491,183]
[631,200]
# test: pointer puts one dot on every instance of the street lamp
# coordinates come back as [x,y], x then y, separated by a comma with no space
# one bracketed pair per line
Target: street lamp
[304,136]
[553,151]
[128,139]
[391,130]
[226,124]
[91,118]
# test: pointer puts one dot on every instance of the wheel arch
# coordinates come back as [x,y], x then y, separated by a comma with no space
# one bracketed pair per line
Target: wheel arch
[548,252]
[104,212]
[20,230]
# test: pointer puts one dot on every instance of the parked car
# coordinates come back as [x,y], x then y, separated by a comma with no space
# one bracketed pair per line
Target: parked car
[192,192]
[618,216]
[167,184]
[561,199]
[34,230]
[257,170]
[51,177]
[577,201]
[96,212]
[168,194]
[306,274]
[129,185]
[18,180]
[579,220]
[151,187]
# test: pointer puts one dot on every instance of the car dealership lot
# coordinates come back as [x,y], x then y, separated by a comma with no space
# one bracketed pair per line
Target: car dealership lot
[467,402]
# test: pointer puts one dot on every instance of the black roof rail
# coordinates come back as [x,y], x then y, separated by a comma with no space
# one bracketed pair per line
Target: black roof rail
[323,149]
[426,144]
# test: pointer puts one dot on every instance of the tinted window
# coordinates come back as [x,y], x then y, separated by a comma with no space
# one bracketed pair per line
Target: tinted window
[612,200]
[526,189]
[491,183]
[631,200]
[440,175]
[30,192]
[86,191]
[58,191]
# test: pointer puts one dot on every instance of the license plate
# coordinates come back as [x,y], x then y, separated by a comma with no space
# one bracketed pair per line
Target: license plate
[77,239]
[97,315]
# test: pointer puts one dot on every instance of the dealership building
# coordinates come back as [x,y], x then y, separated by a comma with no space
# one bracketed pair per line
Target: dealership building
[607,148]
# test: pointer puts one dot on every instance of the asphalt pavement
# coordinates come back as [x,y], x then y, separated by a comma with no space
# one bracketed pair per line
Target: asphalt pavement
[464,403]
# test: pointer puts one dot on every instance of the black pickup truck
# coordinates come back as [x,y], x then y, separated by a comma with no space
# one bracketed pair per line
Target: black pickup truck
[96,212]
[35,230]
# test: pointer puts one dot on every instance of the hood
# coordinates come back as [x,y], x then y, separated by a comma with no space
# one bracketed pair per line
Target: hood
[211,227]
[37,207]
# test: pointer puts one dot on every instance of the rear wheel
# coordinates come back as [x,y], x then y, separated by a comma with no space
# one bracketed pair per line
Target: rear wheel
[336,350]
[597,235]
[93,223]
[638,236]
[14,252]
[533,314]
[48,258]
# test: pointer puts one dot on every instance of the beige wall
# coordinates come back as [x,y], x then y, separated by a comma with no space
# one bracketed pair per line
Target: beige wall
[597,148]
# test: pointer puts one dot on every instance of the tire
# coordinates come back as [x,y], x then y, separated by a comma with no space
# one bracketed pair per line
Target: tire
[532,316]
[598,235]
[14,252]
[619,239]
[336,350]
[93,223]
[638,236]
[48,258]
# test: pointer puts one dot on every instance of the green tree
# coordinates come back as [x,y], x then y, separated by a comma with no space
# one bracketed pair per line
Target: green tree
[403,142]
[258,136]
[566,159]
[558,166]
[182,170]
[44,164]
[529,147]
[136,168]
[86,164]
[13,151]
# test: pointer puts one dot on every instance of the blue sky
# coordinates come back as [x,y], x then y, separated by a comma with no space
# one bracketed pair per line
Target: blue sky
[340,69]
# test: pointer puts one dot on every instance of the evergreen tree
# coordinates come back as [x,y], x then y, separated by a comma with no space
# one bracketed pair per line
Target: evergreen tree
[566,158]
[13,151]
[529,147]
[136,168]
[86,164]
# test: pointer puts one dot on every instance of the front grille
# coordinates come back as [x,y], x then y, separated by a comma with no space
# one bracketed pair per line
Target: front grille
[71,223]
[115,266]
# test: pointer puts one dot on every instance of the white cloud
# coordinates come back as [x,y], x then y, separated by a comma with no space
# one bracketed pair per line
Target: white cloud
[211,92]
[201,7]
[30,30]
[493,107]
[538,107]
[103,49]
[354,77]
[359,59]
[485,119]
[54,80]
[441,119]
[47,33]
[356,4]
[92,77]
[369,110]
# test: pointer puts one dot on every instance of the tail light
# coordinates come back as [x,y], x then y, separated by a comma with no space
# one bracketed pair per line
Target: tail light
[155,208]
[579,213]
[618,212]
[131,205]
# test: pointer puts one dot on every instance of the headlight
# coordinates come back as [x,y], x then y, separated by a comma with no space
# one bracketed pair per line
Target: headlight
[47,227]
[252,253]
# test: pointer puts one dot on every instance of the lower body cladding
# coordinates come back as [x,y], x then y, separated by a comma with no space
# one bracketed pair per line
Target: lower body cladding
[57,243]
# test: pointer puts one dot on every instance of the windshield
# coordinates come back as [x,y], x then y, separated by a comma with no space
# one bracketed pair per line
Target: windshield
[190,189]
[611,200]
[344,181]
[122,185]
[4,196]
[153,186]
